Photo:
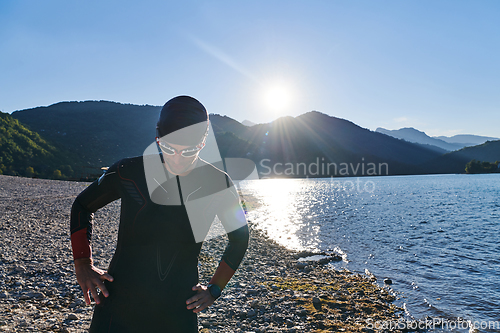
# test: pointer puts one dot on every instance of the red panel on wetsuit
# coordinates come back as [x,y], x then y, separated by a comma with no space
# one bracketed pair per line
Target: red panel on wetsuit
[222,275]
[80,244]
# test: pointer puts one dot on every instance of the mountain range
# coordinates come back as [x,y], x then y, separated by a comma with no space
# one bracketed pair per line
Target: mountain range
[248,123]
[94,134]
[466,139]
[442,142]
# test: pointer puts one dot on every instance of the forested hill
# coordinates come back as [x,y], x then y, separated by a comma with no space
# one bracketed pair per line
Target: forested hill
[453,162]
[98,133]
[486,152]
[24,152]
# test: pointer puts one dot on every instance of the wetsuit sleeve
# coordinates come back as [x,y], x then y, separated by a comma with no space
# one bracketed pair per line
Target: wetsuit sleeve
[231,214]
[98,194]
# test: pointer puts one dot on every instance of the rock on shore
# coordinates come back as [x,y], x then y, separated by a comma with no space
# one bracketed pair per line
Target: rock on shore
[271,291]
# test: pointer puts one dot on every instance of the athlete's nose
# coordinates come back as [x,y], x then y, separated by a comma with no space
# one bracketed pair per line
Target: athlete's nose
[178,158]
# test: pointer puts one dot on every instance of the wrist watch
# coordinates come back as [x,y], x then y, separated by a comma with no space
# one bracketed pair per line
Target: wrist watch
[214,290]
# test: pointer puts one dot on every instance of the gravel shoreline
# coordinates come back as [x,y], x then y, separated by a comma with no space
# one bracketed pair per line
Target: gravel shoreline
[271,291]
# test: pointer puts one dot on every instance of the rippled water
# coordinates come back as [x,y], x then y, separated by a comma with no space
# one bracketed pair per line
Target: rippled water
[437,237]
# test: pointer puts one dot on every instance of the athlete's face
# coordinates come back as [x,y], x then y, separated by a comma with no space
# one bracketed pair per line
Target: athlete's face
[178,164]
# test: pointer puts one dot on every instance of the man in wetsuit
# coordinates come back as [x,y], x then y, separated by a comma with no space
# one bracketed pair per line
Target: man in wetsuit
[168,202]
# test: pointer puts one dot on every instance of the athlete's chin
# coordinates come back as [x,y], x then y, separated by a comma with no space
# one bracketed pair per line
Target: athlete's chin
[181,167]
[178,169]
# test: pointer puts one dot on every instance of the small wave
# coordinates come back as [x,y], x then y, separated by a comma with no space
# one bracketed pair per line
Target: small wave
[341,253]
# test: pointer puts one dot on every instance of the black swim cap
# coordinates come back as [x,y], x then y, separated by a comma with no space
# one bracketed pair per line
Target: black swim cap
[181,112]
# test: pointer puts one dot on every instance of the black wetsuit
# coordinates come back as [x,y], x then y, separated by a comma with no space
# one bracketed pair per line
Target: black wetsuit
[156,260]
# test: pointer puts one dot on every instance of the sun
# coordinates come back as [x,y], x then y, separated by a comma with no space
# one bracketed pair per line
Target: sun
[277,97]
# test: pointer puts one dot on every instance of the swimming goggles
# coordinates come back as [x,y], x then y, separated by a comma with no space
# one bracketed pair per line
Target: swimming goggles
[188,152]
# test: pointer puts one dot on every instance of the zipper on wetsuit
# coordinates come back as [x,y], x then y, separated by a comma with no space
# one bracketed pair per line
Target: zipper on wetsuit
[180,191]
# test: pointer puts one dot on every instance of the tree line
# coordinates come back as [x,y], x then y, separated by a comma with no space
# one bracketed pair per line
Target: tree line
[482,167]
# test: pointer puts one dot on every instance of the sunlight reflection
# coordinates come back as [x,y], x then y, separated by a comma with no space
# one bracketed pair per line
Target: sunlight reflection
[284,213]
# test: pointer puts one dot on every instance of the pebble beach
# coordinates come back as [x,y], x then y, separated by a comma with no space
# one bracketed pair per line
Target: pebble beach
[272,291]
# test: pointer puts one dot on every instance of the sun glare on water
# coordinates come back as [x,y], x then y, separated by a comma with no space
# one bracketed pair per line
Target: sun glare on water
[282,212]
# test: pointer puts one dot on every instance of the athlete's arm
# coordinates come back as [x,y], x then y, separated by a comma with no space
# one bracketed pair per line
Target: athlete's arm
[235,250]
[97,195]
[234,221]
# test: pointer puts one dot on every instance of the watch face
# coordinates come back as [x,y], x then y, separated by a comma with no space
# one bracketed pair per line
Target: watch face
[214,290]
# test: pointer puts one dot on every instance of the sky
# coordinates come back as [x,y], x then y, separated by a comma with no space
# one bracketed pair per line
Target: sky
[428,64]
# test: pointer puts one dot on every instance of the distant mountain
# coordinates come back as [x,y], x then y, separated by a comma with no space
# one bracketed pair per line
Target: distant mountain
[316,138]
[434,148]
[226,124]
[412,135]
[455,161]
[248,123]
[467,140]
[98,133]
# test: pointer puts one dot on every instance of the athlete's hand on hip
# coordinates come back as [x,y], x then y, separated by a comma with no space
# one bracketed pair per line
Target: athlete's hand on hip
[202,300]
[90,277]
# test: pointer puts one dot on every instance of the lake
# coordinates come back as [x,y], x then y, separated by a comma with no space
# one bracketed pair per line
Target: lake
[435,236]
